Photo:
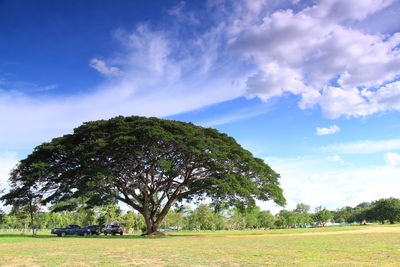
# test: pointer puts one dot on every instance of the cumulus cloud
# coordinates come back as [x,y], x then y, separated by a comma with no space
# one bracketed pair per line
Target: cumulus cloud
[102,67]
[330,130]
[313,53]
[393,159]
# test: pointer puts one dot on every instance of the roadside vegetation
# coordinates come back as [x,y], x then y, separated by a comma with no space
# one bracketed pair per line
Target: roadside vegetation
[207,217]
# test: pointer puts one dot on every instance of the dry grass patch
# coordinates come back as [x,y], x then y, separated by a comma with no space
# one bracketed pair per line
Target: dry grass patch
[371,245]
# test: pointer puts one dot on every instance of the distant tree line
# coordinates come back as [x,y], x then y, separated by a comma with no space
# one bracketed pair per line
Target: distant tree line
[203,217]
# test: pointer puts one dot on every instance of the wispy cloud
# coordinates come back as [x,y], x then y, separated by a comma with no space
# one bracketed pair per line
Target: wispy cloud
[23,86]
[102,67]
[235,116]
[335,158]
[48,87]
[330,130]
[159,77]
[363,147]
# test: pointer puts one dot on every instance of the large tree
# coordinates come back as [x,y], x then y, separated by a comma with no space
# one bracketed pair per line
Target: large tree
[147,163]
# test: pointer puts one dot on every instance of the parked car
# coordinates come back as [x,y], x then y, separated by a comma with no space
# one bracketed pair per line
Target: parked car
[71,229]
[113,230]
[93,229]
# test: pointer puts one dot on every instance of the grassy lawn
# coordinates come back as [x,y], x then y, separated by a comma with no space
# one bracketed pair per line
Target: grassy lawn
[355,245]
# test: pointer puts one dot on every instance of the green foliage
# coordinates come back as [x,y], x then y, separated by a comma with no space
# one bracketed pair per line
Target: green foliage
[386,209]
[109,214]
[323,215]
[202,218]
[2,216]
[147,163]
[292,218]
[302,208]
[266,219]
[26,209]
[133,222]
[174,219]
[343,215]
[251,218]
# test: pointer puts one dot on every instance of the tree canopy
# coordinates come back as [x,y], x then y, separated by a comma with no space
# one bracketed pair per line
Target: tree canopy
[147,163]
[386,209]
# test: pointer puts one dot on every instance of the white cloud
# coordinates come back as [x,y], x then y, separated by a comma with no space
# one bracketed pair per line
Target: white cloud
[330,130]
[335,158]
[160,73]
[303,53]
[363,147]
[48,87]
[255,6]
[235,116]
[339,10]
[7,161]
[387,97]
[102,67]
[393,159]
[158,77]
[312,181]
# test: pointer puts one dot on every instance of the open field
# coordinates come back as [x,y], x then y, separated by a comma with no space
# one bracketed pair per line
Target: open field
[353,245]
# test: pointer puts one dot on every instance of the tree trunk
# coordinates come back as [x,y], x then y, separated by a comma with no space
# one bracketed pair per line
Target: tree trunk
[32,218]
[152,223]
[151,226]
[26,223]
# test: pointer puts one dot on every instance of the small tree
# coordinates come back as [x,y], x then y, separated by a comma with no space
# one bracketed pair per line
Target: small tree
[2,217]
[26,206]
[202,218]
[109,214]
[173,219]
[236,219]
[131,221]
[302,208]
[266,219]
[322,216]
[386,209]
[343,214]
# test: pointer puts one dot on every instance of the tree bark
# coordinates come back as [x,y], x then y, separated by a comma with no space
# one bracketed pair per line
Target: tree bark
[151,226]
[32,217]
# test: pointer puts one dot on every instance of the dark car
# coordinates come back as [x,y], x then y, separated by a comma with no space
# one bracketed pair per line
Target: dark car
[92,229]
[71,229]
[113,230]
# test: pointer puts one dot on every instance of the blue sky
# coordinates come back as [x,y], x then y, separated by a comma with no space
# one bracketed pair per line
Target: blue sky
[312,87]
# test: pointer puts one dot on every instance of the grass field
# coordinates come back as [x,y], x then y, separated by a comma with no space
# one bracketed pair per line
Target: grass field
[353,245]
